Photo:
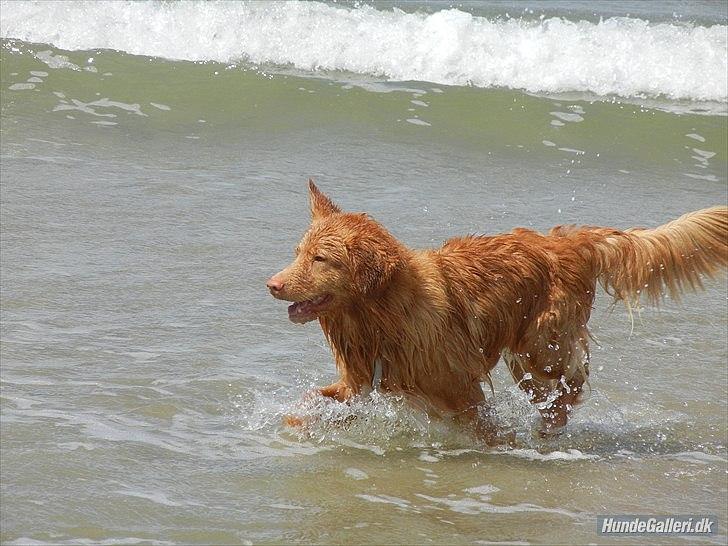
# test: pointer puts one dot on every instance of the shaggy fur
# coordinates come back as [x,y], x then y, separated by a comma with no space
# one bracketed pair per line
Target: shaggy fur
[439,320]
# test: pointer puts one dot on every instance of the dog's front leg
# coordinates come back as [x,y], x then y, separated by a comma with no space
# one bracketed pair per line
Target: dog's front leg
[338,391]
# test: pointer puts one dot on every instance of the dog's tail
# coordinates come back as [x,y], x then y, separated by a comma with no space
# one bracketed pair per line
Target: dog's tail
[644,264]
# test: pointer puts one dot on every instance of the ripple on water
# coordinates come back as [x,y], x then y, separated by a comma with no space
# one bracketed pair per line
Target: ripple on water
[416,121]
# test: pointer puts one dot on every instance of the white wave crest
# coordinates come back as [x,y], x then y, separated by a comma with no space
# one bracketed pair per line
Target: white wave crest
[623,56]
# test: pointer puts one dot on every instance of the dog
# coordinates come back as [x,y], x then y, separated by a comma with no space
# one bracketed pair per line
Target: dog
[432,324]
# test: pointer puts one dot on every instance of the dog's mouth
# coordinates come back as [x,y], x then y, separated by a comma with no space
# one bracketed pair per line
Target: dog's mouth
[308,310]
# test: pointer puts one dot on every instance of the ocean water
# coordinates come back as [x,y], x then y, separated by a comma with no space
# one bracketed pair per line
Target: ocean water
[154,159]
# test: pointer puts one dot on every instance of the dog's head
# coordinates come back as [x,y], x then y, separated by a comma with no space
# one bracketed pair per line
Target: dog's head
[342,258]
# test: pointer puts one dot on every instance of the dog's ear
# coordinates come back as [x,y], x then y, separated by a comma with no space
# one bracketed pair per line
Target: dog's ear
[373,264]
[321,206]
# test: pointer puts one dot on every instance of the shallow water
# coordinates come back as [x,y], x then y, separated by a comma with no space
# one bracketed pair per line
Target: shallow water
[145,368]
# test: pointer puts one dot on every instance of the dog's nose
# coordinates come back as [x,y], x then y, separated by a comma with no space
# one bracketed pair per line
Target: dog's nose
[274,285]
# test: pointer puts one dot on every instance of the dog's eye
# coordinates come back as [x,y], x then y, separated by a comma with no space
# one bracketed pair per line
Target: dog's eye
[319,259]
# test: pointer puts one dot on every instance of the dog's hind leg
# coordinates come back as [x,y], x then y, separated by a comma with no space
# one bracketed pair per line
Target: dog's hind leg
[519,365]
[553,379]
[557,408]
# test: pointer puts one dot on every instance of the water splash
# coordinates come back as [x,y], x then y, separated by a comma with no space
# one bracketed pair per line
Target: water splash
[382,423]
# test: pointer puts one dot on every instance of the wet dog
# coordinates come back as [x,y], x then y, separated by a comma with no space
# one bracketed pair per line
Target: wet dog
[432,324]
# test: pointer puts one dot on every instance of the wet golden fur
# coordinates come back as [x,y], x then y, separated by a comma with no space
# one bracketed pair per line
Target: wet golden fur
[439,320]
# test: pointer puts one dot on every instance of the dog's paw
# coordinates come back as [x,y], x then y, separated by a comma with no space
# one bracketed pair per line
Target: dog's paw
[311,394]
[338,391]
[507,439]
[548,430]
[294,421]
[498,438]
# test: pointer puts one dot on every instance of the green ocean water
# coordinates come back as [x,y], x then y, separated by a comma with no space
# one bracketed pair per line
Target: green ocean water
[268,100]
[145,369]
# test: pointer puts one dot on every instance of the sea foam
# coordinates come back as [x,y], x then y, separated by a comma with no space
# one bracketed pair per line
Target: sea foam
[623,56]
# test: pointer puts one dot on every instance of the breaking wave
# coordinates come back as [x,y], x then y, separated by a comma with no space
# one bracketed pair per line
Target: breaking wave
[622,56]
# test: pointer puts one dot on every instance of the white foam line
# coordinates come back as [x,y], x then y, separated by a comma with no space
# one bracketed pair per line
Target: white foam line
[451,47]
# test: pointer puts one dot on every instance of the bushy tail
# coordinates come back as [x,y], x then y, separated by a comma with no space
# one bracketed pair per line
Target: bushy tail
[644,264]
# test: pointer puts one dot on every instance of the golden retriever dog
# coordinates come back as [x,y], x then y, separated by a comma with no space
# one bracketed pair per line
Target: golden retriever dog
[432,324]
